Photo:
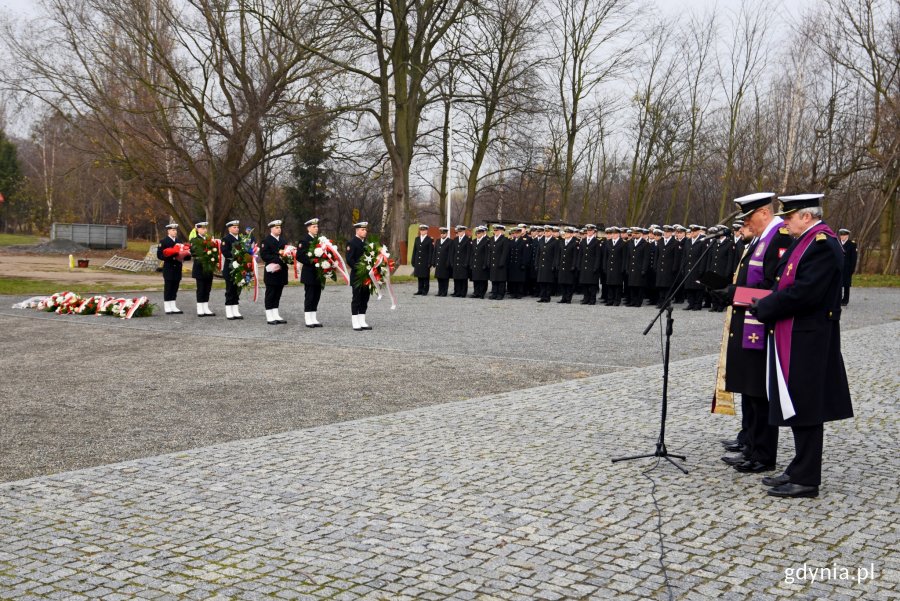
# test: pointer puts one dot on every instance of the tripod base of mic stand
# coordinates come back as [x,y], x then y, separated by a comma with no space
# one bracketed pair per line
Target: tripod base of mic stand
[660,452]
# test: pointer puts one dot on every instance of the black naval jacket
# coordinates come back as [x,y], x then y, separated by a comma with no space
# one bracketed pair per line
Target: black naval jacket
[614,264]
[422,256]
[480,260]
[566,261]
[171,269]
[589,261]
[720,257]
[461,253]
[692,264]
[197,271]
[268,252]
[746,368]
[499,258]
[227,242]
[355,251]
[666,268]
[308,273]
[443,257]
[817,380]
[547,260]
[849,265]
[519,259]
[637,262]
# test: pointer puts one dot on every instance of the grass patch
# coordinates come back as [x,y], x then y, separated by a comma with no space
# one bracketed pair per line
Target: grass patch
[876,280]
[17,239]
[20,286]
[139,246]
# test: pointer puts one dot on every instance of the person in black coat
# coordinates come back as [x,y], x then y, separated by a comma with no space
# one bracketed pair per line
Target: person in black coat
[637,267]
[537,241]
[547,262]
[359,302]
[665,268]
[309,275]
[479,262]
[566,263]
[614,266]
[275,270]
[232,291]
[422,258]
[499,258]
[808,387]
[204,280]
[589,264]
[681,239]
[693,264]
[168,252]
[719,261]
[517,265]
[441,261]
[460,261]
[745,358]
[739,242]
[849,267]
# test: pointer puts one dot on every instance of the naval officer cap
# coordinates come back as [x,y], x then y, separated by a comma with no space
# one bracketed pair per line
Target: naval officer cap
[443,229]
[695,228]
[313,221]
[789,204]
[499,226]
[460,228]
[679,228]
[737,225]
[275,223]
[521,226]
[201,224]
[172,226]
[480,228]
[233,222]
[570,230]
[843,232]
[749,203]
[423,226]
[668,228]
[360,224]
[590,226]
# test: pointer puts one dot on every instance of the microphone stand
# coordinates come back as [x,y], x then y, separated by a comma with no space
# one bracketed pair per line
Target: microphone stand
[661,450]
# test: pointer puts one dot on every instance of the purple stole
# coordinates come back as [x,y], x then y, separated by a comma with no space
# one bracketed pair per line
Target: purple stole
[753,336]
[781,342]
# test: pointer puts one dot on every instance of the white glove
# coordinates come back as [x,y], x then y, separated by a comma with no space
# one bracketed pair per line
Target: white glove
[273,267]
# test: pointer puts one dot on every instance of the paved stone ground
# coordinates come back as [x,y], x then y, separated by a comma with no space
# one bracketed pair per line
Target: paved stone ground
[510,496]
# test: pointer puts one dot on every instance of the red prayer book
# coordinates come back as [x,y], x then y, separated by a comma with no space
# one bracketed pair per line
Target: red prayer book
[743,296]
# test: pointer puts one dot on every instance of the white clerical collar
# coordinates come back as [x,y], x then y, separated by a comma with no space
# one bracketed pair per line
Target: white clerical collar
[776,222]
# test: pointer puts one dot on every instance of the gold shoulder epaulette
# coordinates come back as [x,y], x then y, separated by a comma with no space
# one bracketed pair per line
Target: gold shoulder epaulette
[820,237]
[783,230]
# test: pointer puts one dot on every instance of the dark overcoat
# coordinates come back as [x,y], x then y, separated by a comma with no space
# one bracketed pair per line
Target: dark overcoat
[171,269]
[422,256]
[566,262]
[461,260]
[693,263]
[849,266]
[268,252]
[547,259]
[308,273]
[666,267]
[817,380]
[519,259]
[589,264]
[499,258]
[479,264]
[614,264]
[443,267]
[637,257]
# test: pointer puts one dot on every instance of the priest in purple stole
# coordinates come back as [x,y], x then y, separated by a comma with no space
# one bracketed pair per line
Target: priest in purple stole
[807,383]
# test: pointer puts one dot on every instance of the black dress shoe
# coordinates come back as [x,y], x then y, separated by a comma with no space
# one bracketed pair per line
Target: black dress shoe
[735,448]
[793,491]
[318,325]
[238,317]
[754,467]
[309,325]
[734,459]
[776,480]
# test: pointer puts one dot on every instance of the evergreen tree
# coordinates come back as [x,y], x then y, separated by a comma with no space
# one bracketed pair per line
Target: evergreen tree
[10,176]
[308,194]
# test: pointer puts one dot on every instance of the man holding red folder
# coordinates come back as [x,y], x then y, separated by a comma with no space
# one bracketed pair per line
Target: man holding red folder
[744,358]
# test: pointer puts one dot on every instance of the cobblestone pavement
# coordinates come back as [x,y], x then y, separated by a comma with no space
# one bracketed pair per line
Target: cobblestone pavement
[511,496]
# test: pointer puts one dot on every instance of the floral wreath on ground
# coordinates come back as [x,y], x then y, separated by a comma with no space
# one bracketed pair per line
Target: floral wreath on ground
[374,270]
[327,260]
[69,303]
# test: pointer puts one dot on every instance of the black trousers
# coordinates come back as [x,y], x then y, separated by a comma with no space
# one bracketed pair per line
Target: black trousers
[460,287]
[443,284]
[566,291]
[694,298]
[845,298]
[546,290]
[498,289]
[204,285]
[479,288]
[762,438]
[636,296]
[743,437]
[662,293]
[232,291]
[590,293]
[273,296]
[170,289]
[614,295]
[806,467]
[311,295]
[360,301]
[424,285]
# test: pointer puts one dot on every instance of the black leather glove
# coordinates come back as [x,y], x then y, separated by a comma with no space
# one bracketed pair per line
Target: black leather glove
[723,295]
[753,308]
